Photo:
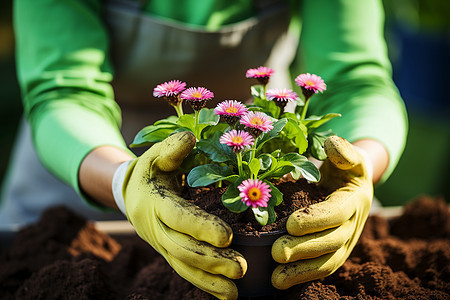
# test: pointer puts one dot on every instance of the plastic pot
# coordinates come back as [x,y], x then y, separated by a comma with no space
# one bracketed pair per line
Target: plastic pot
[257,251]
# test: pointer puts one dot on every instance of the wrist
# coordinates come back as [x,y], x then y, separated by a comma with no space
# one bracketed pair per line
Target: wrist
[97,171]
[117,186]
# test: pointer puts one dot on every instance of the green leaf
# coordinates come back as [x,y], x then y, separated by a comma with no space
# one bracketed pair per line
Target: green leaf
[187,121]
[265,161]
[276,197]
[216,151]
[257,91]
[204,175]
[211,130]
[289,115]
[316,141]
[231,198]
[148,136]
[207,116]
[302,167]
[268,107]
[312,122]
[170,120]
[299,132]
[232,178]
[254,166]
[261,215]
[281,169]
[276,153]
[277,127]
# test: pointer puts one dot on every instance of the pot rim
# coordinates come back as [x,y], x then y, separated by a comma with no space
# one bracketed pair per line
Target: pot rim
[263,239]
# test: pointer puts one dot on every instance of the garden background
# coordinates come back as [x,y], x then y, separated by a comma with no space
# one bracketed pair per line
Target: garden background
[418,35]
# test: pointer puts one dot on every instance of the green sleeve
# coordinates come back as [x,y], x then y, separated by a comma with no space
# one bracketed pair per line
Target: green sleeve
[65,79]
[342,41]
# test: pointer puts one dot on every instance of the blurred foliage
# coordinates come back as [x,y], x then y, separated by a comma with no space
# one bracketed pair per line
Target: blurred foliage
[418,36]
[422,15]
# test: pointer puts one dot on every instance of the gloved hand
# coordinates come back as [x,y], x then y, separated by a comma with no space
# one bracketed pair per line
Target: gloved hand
[322,237]
[191,240]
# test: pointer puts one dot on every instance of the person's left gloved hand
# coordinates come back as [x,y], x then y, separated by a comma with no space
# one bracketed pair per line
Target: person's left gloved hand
[322,236]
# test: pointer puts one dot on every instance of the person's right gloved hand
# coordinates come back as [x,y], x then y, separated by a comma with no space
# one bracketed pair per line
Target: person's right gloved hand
[191,240]
[322,236]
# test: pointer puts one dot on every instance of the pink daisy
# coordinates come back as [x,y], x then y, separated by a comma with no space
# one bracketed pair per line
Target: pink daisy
[256,122]
[262,74]
[237,139]
[197,97]
[170,90]
[230,108]
[310,84]
[254,192]
[282,95]
[230,111]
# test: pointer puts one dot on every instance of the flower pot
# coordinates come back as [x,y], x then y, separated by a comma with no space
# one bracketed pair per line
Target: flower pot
[257,251]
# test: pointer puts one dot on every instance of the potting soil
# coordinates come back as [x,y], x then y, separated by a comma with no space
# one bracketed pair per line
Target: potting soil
[63,256]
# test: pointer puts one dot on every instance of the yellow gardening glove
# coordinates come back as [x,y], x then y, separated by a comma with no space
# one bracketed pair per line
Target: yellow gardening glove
[191,240]
[322,237]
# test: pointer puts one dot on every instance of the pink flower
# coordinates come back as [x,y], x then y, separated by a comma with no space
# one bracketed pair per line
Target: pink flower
[231,111]
[259,72]
[282,95]
[257,122]
[197,97]
[169,89]
[262,74]
[197,93]
[310,84]
[254,192]
[237,139]
[230,108]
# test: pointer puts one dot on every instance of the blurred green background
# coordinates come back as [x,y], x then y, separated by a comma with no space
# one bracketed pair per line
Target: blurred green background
[418,35]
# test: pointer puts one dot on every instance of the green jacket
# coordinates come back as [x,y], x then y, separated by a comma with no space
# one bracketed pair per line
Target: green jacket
[65,73]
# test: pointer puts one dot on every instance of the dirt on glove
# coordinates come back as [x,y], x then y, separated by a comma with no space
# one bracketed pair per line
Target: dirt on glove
[63,256]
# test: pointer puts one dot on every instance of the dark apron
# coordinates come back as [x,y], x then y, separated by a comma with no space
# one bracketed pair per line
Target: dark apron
[147,51]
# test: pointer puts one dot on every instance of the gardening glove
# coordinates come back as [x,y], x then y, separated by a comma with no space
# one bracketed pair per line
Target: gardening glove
[191,240]
[322,236]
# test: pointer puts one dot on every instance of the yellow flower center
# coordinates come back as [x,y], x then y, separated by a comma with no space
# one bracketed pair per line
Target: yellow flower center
[237,139]
[197,95]
[231,110]
[309,83]
[256,121]
[254,194]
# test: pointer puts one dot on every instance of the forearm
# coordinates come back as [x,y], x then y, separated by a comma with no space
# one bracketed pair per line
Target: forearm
[96,173]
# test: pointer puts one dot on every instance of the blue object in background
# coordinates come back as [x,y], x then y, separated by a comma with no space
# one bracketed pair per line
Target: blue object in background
[421,67]
[421,71]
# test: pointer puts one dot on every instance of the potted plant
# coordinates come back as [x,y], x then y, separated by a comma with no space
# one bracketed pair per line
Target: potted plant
[245,149]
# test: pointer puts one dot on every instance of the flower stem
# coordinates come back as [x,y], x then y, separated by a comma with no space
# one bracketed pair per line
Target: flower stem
[179,109]
[196,117]
[305,108]
[239,163]
[253,151]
